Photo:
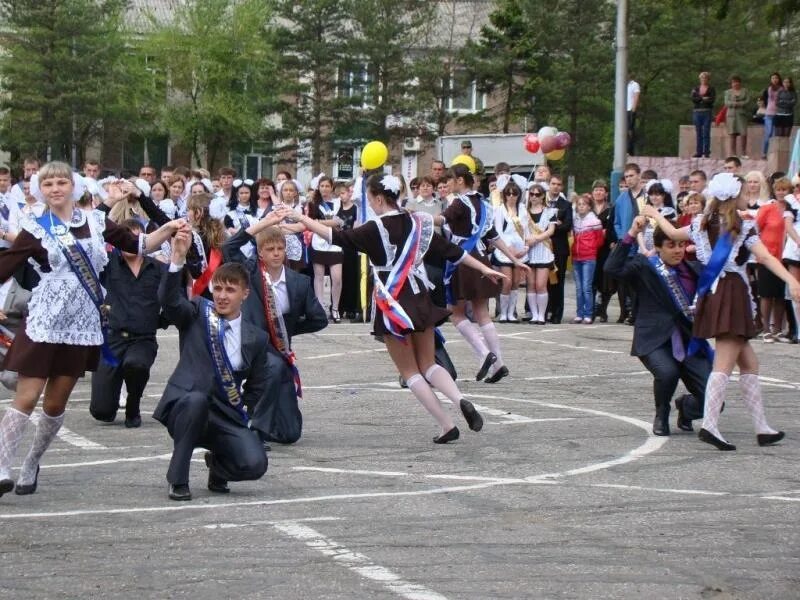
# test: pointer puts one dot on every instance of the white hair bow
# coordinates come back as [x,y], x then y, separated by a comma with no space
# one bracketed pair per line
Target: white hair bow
[391,183]
[724,186]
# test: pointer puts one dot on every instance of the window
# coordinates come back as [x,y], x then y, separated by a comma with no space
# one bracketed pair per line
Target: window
[356,82]
[464,95]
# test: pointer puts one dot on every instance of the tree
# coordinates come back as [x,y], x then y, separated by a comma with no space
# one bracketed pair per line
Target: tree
[67,74]
[221,71]
[313,38]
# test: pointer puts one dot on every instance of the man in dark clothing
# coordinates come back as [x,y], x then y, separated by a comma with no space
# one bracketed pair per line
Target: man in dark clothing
[560,241]
[665,285]
[131,284]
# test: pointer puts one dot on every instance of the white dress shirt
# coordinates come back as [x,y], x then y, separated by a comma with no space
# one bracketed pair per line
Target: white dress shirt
[281,292]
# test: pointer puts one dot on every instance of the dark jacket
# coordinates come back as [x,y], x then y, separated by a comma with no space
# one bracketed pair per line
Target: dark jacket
[698,101]
[656,314]
[195,371]
[560,238]
[305,315]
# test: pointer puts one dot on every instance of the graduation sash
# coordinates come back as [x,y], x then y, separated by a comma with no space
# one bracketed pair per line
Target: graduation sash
[82,268]
[276,327]
[201,283]
[395,317]
[223,371]
[468,245]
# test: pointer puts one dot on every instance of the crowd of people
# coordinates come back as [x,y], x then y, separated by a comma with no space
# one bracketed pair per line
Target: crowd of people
[92,268]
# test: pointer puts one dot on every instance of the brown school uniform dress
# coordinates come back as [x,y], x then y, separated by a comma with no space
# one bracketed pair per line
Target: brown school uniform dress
[367,238]
[729,309]
[44,359]
[468,284]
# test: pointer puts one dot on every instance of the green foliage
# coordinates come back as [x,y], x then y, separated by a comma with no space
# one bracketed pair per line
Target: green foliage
[67,75]
[221,70]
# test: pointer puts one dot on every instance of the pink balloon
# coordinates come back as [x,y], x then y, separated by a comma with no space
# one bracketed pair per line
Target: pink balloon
[548,144]
[531,142]
[563,140]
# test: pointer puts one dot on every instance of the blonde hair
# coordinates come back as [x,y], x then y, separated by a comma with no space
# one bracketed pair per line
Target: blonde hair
[763,191]
[123,210]
[783,183]
[211,229]
[55,168]
[272,235]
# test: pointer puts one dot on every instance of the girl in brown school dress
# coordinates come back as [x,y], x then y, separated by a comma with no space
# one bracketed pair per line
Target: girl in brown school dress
[324,207]
[725,311]
[462,220]
[62,336]
[388,242]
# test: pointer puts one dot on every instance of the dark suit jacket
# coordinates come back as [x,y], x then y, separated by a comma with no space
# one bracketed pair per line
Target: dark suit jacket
[560,238]
[195,370]
[656,313]
[305,315]
[15,306]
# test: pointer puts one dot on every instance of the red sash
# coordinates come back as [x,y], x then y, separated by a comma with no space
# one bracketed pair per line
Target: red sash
[201,283]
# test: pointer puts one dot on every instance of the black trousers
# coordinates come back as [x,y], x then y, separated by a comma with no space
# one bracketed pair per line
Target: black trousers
[350,301]
[136,355]
[555,300]
[667,371]
[276,416]
[237,452]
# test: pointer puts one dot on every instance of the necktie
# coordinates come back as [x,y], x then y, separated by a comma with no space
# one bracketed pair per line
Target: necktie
[678,349]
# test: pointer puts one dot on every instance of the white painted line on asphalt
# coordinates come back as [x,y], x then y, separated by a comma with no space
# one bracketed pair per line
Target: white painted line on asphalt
[70,437]
[783,498]
[586,376]
[664,490]
[574,347]
[343,354]
[353,471]
[110,461]
[504,480]
[358,563]
[277,502]
[257,523]
[522,421]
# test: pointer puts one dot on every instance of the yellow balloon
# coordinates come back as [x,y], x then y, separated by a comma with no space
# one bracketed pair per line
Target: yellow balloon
[466,160]
[556,154]
[374,155]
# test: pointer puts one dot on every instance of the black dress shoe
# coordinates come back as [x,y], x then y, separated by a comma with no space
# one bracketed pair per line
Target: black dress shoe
[449,436]
[497,375]
[216,484]
[710,438]
[764,439]
[133,422]
[487,364]
[6,485]
[660,426]
[473,417]
[180,491]
[24,490]
[684,424]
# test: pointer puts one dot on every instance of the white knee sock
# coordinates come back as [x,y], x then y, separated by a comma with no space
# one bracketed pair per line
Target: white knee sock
[423,392]
[12,429]
[715,398]
[751,395]
[493,341]
[796,309]
[470,333]
[441,380]
[503,307]
[533,304]
[512,304]
[46,429]
[541,303]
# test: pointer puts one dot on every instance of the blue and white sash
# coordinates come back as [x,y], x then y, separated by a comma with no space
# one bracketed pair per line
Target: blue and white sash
[468,245]
[82,267]
[680,298]
[223,370]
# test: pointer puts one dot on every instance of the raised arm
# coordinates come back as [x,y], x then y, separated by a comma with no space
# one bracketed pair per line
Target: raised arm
[177,309]
[674,233]
[620,263]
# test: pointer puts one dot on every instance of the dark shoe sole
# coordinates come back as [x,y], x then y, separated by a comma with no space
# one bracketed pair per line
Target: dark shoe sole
[26,490]
[767,439]
[6,485]
[497,375]
[685,424]
[710,438]
[473,417]
[487,364]
[134,423]
[180,497]
[449,436]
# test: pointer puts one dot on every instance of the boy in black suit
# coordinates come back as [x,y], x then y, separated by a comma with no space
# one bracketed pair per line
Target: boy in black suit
[203,403]
[283,304]
[665,286]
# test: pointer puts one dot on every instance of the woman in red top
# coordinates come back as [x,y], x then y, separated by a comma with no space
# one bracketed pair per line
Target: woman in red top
[772,219]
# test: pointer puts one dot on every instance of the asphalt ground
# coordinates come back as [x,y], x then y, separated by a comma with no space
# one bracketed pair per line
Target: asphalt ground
[564,494]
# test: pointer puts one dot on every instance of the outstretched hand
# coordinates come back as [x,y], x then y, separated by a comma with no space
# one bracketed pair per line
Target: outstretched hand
[794,290]
[650,211]
[495,276]
[180,244]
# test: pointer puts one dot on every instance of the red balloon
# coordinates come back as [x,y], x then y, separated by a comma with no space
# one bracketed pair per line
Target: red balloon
[549,144]
[531,142]
[563,140]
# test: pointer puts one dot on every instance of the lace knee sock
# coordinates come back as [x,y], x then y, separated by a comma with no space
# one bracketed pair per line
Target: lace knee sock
[423,392]
[533,304]
[541,302]
[751,395]
[46,429]
[715,397]
[467,329]
[493,341]
[512,304]
[441,380]
[11,430]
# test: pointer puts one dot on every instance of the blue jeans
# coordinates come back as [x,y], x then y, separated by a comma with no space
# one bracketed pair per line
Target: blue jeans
[583,270]
[702,131]
[769,131]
